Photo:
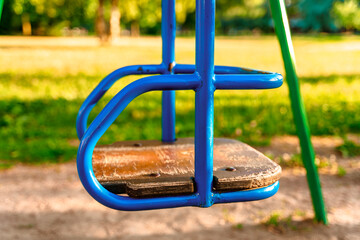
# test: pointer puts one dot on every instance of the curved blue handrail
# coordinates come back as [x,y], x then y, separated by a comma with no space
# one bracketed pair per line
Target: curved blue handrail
[248,81]
[248,195]
[109,80]
[103,87]
[103,121]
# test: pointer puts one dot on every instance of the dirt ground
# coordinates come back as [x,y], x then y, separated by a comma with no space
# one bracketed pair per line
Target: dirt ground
[49,202]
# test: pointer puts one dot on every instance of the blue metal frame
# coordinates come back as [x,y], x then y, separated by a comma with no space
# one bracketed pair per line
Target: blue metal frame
[204,78]
[168,30]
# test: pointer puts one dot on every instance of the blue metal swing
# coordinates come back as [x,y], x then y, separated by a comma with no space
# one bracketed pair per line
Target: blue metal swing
[204,78]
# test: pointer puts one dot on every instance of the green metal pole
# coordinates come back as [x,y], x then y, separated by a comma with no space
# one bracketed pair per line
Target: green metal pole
[282,29]
[1,7]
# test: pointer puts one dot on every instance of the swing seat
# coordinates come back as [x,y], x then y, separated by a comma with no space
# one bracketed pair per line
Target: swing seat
[150,168]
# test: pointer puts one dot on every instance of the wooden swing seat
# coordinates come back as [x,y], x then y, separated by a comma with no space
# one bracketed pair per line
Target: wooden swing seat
[151,168]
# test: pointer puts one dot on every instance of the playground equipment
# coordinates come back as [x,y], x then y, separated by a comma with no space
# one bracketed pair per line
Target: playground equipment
[229,183]
[207,187]
[164,174]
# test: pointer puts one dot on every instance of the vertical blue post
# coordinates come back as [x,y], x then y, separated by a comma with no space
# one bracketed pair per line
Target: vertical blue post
[204,100]
[168,31]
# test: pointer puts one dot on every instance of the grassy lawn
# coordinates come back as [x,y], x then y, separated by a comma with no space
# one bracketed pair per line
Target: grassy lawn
[43,82]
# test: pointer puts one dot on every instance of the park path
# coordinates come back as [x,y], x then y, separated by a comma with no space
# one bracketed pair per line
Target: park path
[48,202]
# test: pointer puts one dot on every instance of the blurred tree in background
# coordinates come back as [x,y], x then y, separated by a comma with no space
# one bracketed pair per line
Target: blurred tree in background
[233,16]
[316,15]
[144,14]
[347,14]
[112,18]
[45,17]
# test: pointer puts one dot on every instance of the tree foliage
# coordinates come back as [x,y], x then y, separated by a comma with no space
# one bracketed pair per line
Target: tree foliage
[347,14]
[49,17]
[316,15]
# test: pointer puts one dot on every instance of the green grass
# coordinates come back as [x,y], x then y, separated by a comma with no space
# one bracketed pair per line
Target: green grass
[274,220]
[41,90]
[341,171]
[349,148]
[279,224]
[239,226]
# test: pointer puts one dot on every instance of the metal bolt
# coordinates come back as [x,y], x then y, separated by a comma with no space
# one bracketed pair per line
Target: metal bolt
[154,174]
[230,169]
[137,144]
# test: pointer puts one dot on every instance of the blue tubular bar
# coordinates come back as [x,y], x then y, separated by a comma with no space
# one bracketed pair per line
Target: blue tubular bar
[103,87]
[190,68]
[248,81]
[168,32]
[245,196]
[204,100]
[168,116]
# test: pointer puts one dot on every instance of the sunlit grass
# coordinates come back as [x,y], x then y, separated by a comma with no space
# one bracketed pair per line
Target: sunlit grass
[316,56]
[43,82]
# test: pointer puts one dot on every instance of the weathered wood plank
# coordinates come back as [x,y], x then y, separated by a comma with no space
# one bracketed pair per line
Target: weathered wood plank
[152,168]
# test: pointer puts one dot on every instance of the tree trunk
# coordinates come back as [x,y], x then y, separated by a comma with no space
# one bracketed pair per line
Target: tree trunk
[100,26]
[135,29]
[26,25]
[115,20]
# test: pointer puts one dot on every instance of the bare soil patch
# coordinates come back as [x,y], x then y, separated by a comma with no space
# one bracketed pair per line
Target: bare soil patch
[49,202]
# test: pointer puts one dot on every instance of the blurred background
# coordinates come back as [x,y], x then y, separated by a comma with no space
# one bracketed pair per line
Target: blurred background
[115,17]
[54,52]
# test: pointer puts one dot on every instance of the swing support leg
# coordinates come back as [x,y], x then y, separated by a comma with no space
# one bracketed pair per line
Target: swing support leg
[1,7]
[307,152]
